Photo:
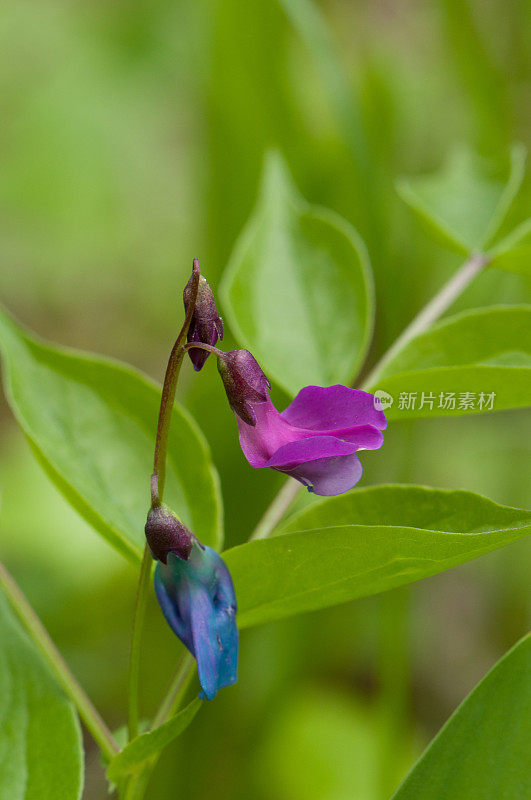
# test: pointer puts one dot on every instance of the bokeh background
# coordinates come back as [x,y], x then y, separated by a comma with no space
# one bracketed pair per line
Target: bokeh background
[132,139]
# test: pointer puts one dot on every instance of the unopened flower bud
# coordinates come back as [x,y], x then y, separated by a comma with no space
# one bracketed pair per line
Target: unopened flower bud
[244,382]
[166,534]
[206,326]
[197,598]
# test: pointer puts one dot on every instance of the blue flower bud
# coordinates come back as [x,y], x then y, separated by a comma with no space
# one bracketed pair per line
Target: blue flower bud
[197,598]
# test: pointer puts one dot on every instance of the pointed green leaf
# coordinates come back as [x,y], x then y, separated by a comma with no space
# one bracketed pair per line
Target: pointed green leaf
[298,291]
[365,542]
[92,424]
[483,750]
[513,253]
[150,744]
[465,203]
[41,749]
[456,366]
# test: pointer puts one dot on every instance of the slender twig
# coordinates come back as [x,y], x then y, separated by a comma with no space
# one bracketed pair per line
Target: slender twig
[203,346]
[431,312]
[168,394]
[424,319]
[136,786]
[157,492]
[175,693]
[40,637]
[136,641]
[276,510]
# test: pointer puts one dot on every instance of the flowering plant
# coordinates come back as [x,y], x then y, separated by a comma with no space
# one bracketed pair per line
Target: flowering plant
[93,424]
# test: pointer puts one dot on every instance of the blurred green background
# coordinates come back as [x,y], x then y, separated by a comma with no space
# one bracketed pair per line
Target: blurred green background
[132,140]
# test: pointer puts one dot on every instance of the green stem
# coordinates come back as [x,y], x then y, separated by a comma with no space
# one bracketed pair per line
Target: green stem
[137,784]
[176,691]
[136,641]
[39,635]
[431,312]
[424,320]
[201,346]
[157,492]
[168,395]
[135,787]
[276,510]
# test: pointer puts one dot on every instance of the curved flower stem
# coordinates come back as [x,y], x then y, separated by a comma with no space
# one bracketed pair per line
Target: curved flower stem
[424,319]
[168,395]
[40,637]
[157,492]
[200,346]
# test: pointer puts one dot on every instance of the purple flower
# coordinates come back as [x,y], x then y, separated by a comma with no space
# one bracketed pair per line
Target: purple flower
[315,439]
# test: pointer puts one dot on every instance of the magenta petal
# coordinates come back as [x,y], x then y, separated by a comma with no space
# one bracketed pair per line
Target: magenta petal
[334,407]
[291,455]
[271,432]
[329,476]
[365,437]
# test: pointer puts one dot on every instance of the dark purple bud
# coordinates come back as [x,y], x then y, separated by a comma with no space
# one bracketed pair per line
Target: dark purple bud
[244,382]
[206,326]
[166,534]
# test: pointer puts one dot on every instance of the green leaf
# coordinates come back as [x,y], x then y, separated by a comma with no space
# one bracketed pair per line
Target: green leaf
[298,291]
[465,203]
[365,542]
[150,744]
[483,750]
[41,752]
[92,423]
[513,253]
[484,351]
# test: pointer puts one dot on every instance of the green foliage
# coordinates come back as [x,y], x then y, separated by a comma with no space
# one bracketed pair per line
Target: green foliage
[366,542]
[464,205]
[92,423]
[148,745]
[483,750]
[148,146]
[485,350]
[41,753]
[297,290]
